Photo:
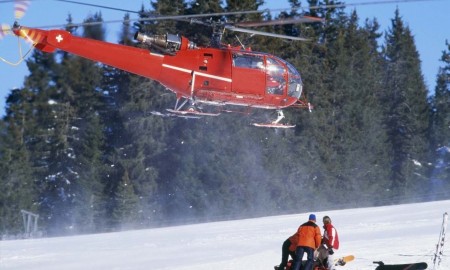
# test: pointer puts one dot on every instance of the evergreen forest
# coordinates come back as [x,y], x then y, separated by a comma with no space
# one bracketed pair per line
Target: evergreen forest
[80,146]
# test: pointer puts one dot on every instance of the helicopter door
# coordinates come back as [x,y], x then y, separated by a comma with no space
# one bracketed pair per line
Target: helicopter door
[276,77]
[248,73]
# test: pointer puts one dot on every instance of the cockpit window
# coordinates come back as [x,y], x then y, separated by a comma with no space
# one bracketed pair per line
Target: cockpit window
[244,60]
[295,85]
[276,81]
[295,82]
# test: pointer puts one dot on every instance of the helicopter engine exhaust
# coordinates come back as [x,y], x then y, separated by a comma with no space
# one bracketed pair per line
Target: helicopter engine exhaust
[168,43]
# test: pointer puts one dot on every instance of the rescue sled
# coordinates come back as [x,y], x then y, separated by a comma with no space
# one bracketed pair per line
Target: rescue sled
[406,266]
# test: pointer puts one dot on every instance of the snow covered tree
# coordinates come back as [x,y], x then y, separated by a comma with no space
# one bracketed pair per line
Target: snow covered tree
[66,145]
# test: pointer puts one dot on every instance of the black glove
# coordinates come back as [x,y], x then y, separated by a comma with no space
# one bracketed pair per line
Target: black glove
[330,251]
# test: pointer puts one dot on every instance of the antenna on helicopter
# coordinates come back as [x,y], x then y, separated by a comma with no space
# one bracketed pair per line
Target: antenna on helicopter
[242,45]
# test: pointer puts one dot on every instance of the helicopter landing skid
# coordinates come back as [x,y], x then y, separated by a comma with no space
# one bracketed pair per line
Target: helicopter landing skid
[273,125]
[174,115]
[191,112]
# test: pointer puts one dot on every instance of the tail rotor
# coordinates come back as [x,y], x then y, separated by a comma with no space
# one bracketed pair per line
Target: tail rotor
[5,29]
[20,7]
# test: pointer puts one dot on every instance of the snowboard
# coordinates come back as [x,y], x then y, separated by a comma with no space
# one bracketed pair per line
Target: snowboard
[406,266]
[343,260]
[339,261]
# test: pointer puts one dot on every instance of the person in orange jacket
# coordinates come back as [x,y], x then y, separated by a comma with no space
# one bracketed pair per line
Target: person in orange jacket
[309,239]
[330,242]
[288,248]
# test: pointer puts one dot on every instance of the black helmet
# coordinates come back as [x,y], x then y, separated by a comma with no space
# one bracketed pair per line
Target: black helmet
[326,220]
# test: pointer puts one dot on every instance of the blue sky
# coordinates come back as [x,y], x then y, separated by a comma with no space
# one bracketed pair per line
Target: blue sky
[428,20]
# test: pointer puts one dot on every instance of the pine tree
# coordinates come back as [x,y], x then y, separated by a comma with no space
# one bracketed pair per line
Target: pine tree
[40,135]
[126,211]
[234,38]
[357,114]
[89,204]
[201,34]
[320,128]
[441,103]
[440,142]
[342,80]
[333,14]
[165,8]
[83,78]
[142,141]
[136,137]
[16,173]
[407,111]
[66,105]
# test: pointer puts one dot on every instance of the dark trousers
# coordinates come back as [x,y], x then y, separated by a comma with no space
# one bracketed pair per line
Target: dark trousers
[285,252]
[299,256]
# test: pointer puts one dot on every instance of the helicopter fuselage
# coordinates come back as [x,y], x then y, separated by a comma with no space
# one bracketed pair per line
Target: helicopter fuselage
[216,76]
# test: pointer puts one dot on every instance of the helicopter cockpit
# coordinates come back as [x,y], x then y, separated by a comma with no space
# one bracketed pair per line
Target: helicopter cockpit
[276,70]
[281,76]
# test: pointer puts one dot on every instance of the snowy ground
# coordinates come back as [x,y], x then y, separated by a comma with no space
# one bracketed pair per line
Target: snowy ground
[395,234]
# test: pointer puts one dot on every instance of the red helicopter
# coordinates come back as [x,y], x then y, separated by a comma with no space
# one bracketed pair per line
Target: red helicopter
[216,75]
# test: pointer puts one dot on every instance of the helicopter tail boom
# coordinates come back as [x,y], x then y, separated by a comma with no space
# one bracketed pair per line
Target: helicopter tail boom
[131,59]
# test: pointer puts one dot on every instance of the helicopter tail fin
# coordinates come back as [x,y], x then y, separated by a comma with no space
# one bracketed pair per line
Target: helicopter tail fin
[35,36]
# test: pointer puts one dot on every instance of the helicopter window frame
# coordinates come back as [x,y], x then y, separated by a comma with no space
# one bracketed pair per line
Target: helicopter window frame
[247,60]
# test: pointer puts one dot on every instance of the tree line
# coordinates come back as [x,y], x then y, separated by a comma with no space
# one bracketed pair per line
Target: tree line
[79,144]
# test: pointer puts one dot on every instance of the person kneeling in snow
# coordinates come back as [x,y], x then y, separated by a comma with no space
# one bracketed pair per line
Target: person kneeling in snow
[288,248]
[330,242]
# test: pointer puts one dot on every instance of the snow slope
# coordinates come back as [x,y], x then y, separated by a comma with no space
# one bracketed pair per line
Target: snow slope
[394,234]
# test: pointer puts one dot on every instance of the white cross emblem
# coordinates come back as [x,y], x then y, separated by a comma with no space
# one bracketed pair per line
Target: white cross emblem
[59,38]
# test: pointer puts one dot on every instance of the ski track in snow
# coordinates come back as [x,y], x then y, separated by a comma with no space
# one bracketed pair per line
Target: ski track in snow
[393,234]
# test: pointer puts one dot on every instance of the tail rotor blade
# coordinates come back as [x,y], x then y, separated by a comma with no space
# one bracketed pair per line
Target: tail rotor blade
[20,7]
[4,30]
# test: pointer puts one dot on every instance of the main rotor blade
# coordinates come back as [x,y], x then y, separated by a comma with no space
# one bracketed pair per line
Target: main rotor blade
[154,17]
[261,33]
[181,17]
[377,2]
[296,20]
